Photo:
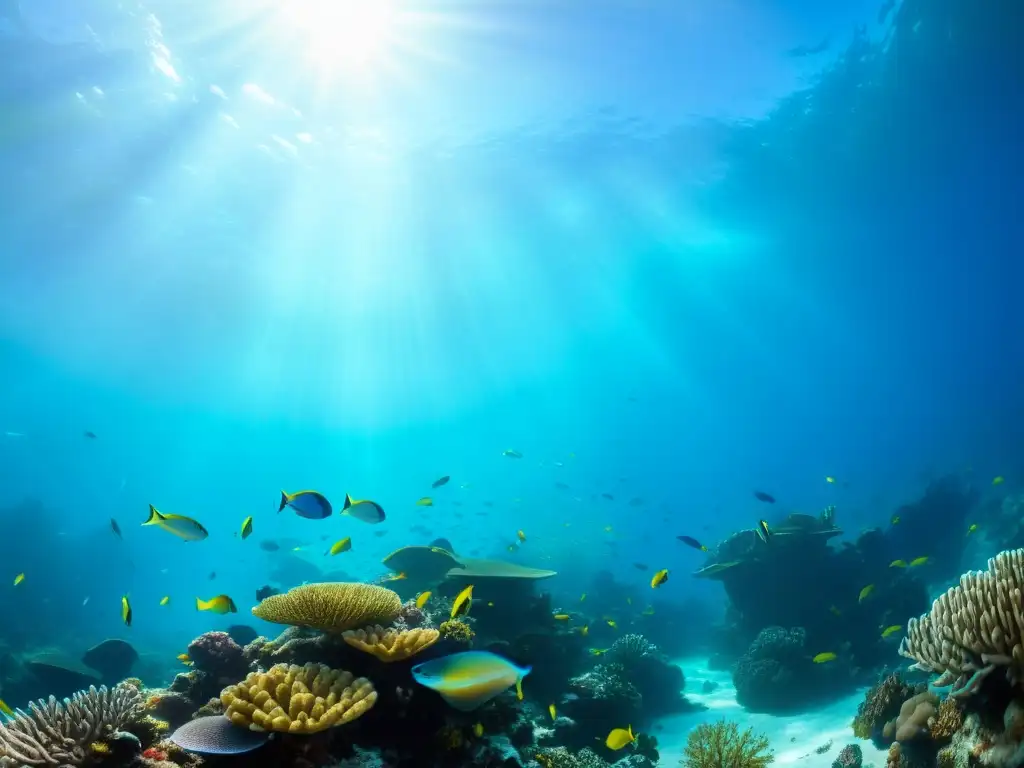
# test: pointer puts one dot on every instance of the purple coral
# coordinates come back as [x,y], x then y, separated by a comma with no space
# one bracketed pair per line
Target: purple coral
[216,654]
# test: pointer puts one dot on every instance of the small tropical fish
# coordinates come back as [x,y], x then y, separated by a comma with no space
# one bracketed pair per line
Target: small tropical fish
[830,479]
[269,546]
[422,599]
[561,617]
[998,480]
[363,509]
[822,658]
[511,454]
[512,547]
[552,711]
[86,601]
[619,738]
[311,505]
[470,679]
[478,730]
[918,561]
[629,601]
[648,611]
[165,600]
[19,578]
[183,527]
[440,481]
[865,592]
[891,630]
[126,611]
[767,498]
[763,531]
[972,529]
[426,501]
[608,496]
[490,603]
[835,611]
[692,542]
[898,564]
[562,486]
[894,520]
[463,602]
[585,630]
[220,604]
[583,597]
[611,623]
[520,535]
[89,435]
[212,576]
[184,658]
[247,528]
[115,528]
[659,578]
[6,709]
[396,577]
[341,545]
[607,529]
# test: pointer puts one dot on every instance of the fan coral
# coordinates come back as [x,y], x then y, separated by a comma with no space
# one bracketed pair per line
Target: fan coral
[295,699]
[721,745]
[54,732]
[630,648]
[331,607]
[881,704]
[975,627]
[391,644]
[456,630]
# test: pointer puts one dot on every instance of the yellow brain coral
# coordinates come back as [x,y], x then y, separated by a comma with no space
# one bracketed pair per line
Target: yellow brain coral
[331,607]
[391,644]
[294,699]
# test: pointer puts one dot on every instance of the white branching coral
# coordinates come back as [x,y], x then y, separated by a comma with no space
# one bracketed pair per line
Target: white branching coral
[59,733]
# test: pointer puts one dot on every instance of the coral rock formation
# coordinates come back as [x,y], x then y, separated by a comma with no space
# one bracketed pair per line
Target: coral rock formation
[391,644]
[331,607]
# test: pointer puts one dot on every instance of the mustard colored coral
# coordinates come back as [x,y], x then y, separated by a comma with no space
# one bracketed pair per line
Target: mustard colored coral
[722,745]
[331,607]
[391,644]
[293,699]
[456,630]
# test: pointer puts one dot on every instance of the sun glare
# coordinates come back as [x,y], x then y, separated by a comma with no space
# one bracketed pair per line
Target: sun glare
[342,33]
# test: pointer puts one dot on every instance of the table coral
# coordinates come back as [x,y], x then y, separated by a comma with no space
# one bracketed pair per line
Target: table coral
[391,644]
[722,745]
[331,607]
[294,699]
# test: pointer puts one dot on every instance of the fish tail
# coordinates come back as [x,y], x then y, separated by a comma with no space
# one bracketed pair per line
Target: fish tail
[155,518]
[284,501]
[348,502]
[200,605]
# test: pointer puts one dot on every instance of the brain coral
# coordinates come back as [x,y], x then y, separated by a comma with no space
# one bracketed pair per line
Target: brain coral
[391,644]
[294,699]
[331,607]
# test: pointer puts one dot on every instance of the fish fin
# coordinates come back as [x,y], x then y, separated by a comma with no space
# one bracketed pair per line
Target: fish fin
[348,502]
[199,604]
[155,518]
[284,501]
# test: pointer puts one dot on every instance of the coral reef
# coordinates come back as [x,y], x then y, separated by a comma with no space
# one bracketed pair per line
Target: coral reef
[457,631]
[630,649]
[331,607]
[769,676]
[881,705]
[723,745]
[391,644]
[295,699]
[849,756]
[216,654]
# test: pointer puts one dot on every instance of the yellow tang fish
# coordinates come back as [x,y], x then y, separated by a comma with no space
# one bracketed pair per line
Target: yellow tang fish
[619,737]
[19,578]
[585,630]
[422,599]
[463,602]
[6,709]
[598,651]
[341,545]
[898,564]
[521,536]
[918,561]
[611,623]
[478,730]
[126,611]
[552,711]
[972,529]
[659,578]
[426,501]
[219,604]
[821,658]
[183,527]
[184,658]
[891,630]
[865,592]
[998,480]
[561,617]
[165,600]
[247,528]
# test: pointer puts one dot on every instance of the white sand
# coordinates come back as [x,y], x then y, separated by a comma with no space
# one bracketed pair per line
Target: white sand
[793,738]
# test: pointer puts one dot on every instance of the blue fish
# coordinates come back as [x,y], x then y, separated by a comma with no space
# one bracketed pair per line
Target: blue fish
[470,679]
[309,504]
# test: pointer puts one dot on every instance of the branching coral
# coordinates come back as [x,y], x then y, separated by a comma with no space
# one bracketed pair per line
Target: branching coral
[722,745]
[61,733]
[974,628]
[629,649]
[295,699]
[947,720]
[331,607]
[391,644]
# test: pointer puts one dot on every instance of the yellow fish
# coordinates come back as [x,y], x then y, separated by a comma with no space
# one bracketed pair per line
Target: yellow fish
[561,617]
[126,611]
[183,658]
[478,730]
[19,578]
[821,658]
[521,536]
[972,529]
[463,602]
[891,630]
[511,547]
[422,599]
[246,528]
[165,600]
[835,611]
[6,709]
[426,501]
[219,604]
[607,529]
[830,479]
[611,623]
[659,578]
[598,651]
[585,630]
[918,561]
[396,577]
[998,480]
[898,564]
[895,519]
[490,603]
[552,711]
[583,597]
[865,592]
[619,737]
[342,545]
[183,527]
[648,611]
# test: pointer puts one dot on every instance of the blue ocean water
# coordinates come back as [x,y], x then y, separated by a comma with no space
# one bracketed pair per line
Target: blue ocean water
[672,253]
